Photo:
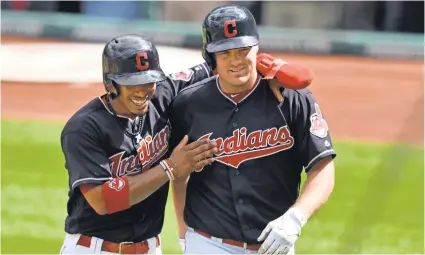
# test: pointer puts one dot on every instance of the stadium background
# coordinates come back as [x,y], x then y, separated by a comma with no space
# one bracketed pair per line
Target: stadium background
[368,61]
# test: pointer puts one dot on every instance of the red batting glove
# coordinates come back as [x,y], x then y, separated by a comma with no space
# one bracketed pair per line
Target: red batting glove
[289,75]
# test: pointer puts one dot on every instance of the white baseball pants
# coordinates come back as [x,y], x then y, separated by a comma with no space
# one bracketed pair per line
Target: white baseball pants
[199,244]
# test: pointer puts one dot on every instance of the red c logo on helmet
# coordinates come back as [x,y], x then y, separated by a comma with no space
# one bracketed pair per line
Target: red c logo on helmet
[139,57]
[230,25]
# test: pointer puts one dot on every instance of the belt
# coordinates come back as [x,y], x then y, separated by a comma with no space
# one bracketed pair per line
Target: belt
[252,247]
[121,248]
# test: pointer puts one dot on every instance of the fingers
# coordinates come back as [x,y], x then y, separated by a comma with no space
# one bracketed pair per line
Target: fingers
[182,243]
[196,144]
[273,247]
[183,142]
[264,234]
[275,87]
[283,249]
[205,151]
[266,245]
[266,237]
[202,163]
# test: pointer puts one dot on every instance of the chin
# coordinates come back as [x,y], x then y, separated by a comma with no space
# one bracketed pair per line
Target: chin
[239,81]
[141,111]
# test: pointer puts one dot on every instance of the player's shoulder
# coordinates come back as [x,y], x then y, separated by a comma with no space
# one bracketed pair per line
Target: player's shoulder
[197,72]
[300,94]
[84,119]
[195,89]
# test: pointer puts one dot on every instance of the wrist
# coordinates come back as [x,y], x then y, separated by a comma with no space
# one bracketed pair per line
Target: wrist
[298,215]
[169,167]
[182,233]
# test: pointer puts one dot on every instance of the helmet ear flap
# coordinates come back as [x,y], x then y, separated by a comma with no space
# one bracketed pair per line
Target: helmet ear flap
[112,88]
[209,58]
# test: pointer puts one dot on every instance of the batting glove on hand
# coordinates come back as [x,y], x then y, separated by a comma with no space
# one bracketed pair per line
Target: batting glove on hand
[280,234]
[182,243]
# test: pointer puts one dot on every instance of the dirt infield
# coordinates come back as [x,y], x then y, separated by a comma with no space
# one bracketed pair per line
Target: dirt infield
[362,99]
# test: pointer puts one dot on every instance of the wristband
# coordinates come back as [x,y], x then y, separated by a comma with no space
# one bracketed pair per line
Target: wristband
[116,194]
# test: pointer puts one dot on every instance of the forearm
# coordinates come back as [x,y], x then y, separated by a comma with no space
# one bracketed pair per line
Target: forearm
[317,188]
[141,186]
[121,193]
[179,197]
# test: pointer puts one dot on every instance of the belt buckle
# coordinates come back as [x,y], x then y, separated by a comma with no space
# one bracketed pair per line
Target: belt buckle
[245,246]
[121,244]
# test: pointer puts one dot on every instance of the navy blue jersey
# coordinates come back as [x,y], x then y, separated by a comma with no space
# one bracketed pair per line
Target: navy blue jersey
[96,149]
[263,148]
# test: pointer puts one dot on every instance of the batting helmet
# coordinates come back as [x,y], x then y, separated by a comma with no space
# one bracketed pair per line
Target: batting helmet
[130,60]
[227,27]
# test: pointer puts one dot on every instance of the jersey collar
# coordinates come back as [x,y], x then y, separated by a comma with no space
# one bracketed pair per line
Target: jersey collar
[247,95]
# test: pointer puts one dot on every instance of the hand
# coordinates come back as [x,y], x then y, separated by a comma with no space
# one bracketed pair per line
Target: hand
[289,75]
[280,234]
[188,157]
[275,86]
[182,243]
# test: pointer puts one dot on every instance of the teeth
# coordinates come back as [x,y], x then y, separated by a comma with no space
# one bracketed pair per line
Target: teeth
[138,102]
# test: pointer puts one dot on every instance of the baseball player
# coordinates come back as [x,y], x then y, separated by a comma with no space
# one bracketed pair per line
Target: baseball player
[114,151]
[248,199]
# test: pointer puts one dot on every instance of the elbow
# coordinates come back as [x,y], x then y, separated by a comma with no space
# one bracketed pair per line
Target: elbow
[94,198]
[100,210]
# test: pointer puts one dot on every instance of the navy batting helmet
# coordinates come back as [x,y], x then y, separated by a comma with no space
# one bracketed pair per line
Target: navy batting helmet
[227,27]
[130,60]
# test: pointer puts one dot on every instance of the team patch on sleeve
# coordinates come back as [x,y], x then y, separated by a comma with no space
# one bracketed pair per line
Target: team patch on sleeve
[319,127]
[116,184]
[185,75]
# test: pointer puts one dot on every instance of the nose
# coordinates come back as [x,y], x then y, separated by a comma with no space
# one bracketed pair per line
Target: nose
[144,90]
[236,58]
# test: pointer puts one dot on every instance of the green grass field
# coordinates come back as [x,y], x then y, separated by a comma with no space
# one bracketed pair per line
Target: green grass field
[377,205]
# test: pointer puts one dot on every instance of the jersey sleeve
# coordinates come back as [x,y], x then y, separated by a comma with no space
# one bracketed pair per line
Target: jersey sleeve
[175,82]
[311,132]
[85,160]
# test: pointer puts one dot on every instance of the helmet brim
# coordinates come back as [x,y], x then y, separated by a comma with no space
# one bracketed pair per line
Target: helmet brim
[145,77]
[232,43]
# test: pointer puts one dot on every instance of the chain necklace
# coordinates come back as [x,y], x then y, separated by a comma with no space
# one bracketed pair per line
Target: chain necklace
[137,135]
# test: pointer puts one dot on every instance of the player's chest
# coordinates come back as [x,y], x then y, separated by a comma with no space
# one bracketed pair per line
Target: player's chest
[251,130]
[133,152]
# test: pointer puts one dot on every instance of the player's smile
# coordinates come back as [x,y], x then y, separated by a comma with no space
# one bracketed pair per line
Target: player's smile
[139,105]
[239,71]
[140,101]
[136,98]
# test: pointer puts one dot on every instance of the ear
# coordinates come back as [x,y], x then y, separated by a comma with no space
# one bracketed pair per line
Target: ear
[111,89]
[209,58]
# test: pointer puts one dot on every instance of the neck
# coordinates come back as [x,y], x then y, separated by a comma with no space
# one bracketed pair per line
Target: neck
[228,88]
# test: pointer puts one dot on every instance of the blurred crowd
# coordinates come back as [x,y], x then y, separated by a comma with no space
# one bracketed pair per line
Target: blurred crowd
[390,16]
